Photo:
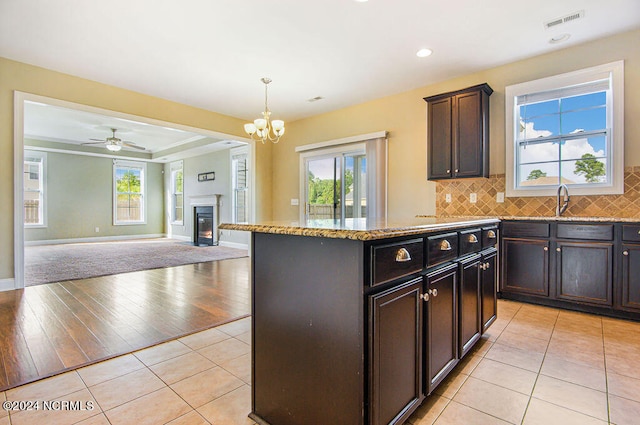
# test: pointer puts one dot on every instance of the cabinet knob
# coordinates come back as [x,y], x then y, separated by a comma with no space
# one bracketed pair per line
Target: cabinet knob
[558,249]
[445,245]
[546,248]
[625,253]
[448,171]
[473,238]
[487,266]
[433,292]
[402,256]
[456,170]
[424,297]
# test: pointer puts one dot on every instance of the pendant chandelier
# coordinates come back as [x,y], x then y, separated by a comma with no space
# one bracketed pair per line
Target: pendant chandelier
[263,129]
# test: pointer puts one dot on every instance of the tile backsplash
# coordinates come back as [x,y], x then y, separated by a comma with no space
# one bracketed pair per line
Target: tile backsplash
[622,206]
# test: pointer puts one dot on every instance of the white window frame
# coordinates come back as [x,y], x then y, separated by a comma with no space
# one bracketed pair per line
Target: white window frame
[174,168]
[42,156]
[615,123]
[234,154]
[143,189]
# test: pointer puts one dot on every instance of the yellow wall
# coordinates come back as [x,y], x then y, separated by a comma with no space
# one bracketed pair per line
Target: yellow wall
[16,76]
[404,116]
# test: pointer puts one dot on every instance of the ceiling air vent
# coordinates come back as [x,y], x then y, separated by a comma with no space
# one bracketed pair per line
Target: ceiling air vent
[563,20]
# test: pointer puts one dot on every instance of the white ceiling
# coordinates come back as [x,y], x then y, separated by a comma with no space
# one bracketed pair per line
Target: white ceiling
[212,53]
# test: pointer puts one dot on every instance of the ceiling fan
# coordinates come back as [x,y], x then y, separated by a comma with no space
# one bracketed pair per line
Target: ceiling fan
[114,143]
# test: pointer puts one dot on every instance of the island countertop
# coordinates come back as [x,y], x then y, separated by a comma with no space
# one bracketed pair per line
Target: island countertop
[362,229]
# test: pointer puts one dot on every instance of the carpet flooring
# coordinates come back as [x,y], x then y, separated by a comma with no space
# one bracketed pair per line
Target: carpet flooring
[58,263]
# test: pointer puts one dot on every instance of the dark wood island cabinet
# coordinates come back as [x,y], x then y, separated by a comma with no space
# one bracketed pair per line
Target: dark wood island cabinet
[358,324]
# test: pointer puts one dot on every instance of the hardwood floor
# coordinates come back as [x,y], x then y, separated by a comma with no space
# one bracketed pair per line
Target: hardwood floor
[47,329]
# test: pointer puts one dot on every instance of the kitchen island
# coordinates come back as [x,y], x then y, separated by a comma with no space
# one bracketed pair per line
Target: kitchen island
[357,322]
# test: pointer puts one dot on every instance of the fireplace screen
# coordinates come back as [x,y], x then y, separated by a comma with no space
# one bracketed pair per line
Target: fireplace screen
[203,233]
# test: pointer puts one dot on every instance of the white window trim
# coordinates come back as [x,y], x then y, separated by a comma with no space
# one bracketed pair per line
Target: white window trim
[613,69]
[242,150]
[143,185]
[43,157]
[173,167]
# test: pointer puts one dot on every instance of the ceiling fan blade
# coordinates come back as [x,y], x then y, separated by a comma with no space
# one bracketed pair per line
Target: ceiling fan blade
[98,140]
[129,145]
[93,143]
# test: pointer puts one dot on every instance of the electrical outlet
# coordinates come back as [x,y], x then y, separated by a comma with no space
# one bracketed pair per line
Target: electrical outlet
[447,198]
[473,198]
[97,230]
[500,197]
[295,201]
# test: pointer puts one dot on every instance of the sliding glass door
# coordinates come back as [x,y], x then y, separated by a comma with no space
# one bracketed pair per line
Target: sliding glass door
[336,186]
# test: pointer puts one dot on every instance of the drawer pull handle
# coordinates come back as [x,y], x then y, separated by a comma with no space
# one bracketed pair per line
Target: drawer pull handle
[473,238]
[625,253]
[491,234]
[433,292]
[445,245]
[402,256]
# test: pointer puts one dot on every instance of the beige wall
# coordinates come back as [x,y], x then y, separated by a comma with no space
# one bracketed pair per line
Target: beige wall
[404,116]
[15,76]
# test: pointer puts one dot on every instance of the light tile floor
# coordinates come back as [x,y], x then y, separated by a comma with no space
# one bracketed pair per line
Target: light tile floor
[536,365]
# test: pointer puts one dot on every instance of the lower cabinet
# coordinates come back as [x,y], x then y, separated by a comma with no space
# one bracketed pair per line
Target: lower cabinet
[395,352]
[525,266]
[441,324]
[470,326]
[584,272]
[489,287]
[631,277]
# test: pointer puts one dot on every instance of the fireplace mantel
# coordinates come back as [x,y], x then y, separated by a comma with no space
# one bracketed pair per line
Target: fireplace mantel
[206,200]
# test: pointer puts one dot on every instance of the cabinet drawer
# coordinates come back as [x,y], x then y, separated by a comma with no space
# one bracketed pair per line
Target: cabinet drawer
[601,232]
[395,260]
[517,229]
[489,236]
[631,233]
[441,248]
[470,241]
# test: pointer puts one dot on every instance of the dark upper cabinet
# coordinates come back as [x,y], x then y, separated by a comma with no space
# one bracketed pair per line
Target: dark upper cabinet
[458,133]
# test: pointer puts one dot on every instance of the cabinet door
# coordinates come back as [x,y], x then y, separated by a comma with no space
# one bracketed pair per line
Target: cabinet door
[470,326]
[584,272]
[441,324]
[440,139]
[631,277]
[467,138]
[525,266]
[395,347]
[489,276]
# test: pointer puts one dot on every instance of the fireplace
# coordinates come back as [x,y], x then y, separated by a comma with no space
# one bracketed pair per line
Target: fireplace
[204,229]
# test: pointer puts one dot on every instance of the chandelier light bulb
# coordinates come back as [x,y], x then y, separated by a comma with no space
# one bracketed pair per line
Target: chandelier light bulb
[264,128]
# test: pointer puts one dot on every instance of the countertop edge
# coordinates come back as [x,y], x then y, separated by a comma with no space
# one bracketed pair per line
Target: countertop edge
[359,234]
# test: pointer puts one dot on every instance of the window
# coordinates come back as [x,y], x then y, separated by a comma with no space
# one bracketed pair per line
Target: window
[34,188]
[129,188]
[240,182]
[177,193]
[566,129]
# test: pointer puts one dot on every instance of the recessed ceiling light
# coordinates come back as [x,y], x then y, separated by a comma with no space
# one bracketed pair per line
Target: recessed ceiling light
[423,53]
[559,38]
[362,1]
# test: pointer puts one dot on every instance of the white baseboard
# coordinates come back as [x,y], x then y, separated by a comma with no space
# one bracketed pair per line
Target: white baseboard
[7,284]
[234,245]
[180,238]
[95,239]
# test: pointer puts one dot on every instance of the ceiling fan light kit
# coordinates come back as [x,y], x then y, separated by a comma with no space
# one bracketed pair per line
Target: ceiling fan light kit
[113,143]
[263,129]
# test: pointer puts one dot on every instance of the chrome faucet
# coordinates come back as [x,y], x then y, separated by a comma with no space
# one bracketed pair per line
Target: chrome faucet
[565,199]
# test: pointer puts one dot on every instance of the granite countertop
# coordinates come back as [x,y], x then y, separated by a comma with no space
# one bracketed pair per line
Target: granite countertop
[363,229]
